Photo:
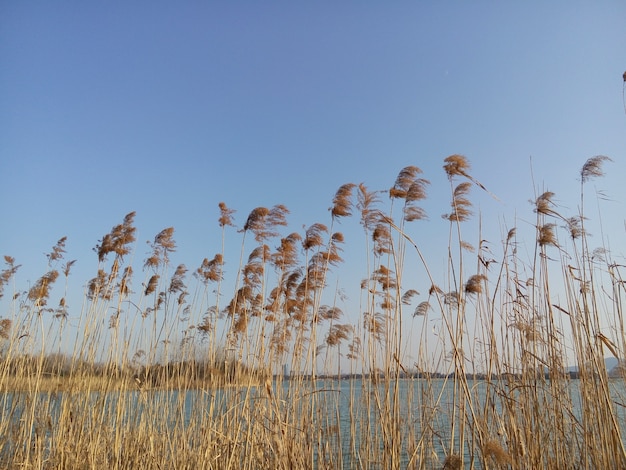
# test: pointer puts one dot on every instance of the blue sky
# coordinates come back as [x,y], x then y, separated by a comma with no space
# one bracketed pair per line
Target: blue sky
[168,108]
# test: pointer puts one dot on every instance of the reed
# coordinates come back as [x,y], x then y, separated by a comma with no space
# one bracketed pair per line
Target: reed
[168,369]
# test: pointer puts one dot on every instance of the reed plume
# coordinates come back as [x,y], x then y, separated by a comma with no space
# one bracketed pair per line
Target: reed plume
[494,450]
[453,462]
[460,204]
[313,236]
[40,292]
[366,204]
[162,246]
[408,295]
[118,241]
[262,222]
[575,227]
[381,236]
[342,202]
[337,333]
[474,284]
[286,255]
[404,181]
[546,235]
[374,324]
[416,192]
[177,283]
[456,165]
[152,284]
[210,270]
[593,167]
[7,273]
[544,204]
[57,251]
[226,215]
[422,309]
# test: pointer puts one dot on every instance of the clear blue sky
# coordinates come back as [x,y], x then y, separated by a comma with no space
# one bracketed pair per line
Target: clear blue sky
[168,108]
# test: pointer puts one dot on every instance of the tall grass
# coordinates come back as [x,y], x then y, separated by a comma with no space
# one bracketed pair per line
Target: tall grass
[170,370]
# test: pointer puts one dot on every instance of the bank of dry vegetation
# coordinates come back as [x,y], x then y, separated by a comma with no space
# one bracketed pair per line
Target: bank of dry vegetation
[176,369]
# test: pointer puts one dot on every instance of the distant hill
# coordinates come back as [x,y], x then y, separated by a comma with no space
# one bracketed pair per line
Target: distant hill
[612,365]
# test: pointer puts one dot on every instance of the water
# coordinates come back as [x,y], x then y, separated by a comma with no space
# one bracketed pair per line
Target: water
[349,423]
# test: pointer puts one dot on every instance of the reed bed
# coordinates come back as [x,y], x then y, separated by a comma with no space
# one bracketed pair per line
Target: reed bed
[172,369]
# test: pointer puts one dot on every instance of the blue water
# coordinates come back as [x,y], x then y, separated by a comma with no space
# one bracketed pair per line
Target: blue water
[350,422]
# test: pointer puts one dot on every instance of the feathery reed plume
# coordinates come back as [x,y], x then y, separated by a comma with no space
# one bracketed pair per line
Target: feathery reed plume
[262,221]
[342,203]
[40,292]
[408,295]
[177,283]
[452,462]
[152,284]
[7,273]
[416,192]
[422,309]
[544,204]
[278,216]
[456,165]
[412,189]
[256,219]
[67,267]
[162,246]
[494,449]
[405,179]
[575,227]
[385,277]
[434,290]
[226,215]
[354,348]
[61,311]
[338,333]
[460,204]
[337,237]
[375,325]
[329,313]
[206,326]
[124,284]
[313,236]
[474,284]
[546,235]
[286,255]
[254,269]
[467,246]
[381,236]
[57,251]
[210,271]
[97,287]
[165,240]
[366,201]
[528,329]
[510,234]
[118,240]
[593,167]
[451,298]
[5,328]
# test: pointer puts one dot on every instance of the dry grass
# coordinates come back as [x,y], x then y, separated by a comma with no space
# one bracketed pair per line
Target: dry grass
[172,370]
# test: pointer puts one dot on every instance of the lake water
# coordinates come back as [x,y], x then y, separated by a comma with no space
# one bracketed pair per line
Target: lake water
[348,422]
